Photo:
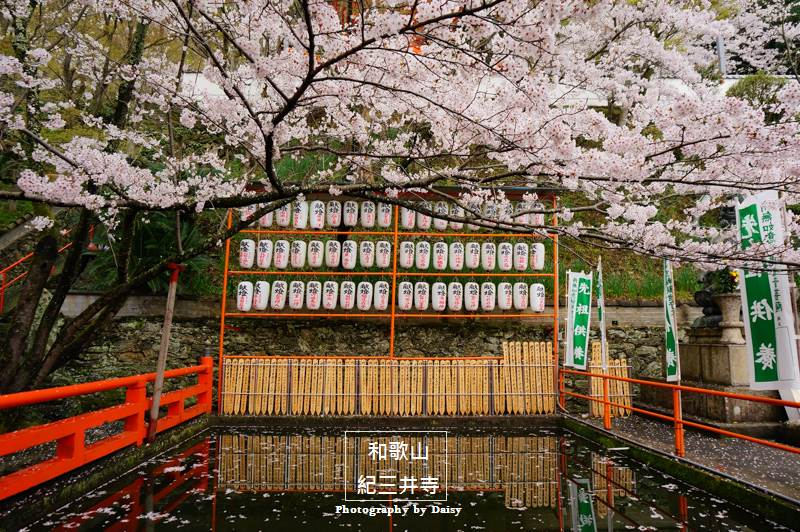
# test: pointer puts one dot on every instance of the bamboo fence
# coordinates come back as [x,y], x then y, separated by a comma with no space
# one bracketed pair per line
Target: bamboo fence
[618,391]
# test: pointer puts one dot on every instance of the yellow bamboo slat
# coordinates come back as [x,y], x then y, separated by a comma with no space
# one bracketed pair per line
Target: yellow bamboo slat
[524,373]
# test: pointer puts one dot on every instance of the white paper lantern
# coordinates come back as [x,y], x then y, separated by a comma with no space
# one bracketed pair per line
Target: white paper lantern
[349,252]
[297,293]
[506,214]
[505,296]
[300,215]
[313,295]
[439,296]
[261,295]
[350,213]
[316,253]
[456,256]
[440,255]
[422,292]
[383,254]
[521,216]
[333,214]
[405,295]
[537,297]
[381,300]
[281,258]
[384,215]
[491,213]
[266,219]
[422,255]
[472,255]
[247,253]
[366,254]
[472,296]
[347,295]
[283,215]
[405,256]
[488,296]
[364,295]
[474,207]
[330,295]
[538,218]
[316,213]
[247,212]
[505,252]
[333,253]
[520,296]
[440,224]
[520,256]
[297,254]
[408,218]
[244,296]
[456,211]
[488,256]
[264,254]
[367,214]
[455,296]
[277,299]
[424,219]
[537,256]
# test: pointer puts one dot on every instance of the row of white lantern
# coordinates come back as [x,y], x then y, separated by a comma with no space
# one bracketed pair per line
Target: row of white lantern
[317,214]
[439,296]
[421,255]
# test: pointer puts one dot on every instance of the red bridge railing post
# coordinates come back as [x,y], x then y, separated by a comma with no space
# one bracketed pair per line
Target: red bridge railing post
[206,380]
[134,425]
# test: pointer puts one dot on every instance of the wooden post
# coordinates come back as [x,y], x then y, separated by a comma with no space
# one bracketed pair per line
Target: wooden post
[161,365]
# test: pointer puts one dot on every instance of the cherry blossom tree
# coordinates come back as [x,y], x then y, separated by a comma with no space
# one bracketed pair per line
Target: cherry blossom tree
[606,101]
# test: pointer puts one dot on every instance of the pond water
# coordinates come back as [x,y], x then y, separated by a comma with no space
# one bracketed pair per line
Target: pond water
[255,480]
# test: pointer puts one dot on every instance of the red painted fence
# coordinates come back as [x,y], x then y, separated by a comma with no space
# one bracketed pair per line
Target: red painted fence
[69,435]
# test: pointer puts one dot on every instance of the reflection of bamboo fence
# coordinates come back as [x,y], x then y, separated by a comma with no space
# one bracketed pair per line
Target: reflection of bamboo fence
[618,391]
[523,467]
[603,474]
[520,382]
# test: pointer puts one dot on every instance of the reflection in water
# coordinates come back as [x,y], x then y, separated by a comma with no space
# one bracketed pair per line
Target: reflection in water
[290,482]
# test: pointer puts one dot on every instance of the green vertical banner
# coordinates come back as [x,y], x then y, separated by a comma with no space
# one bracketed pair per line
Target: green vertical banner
[601,315]
[766,298]
[672,361]
[581,506]
[571,289]
[580,304]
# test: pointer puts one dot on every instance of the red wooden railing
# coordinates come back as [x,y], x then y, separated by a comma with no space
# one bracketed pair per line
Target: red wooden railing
[7,278]
[69,435]
[677,420]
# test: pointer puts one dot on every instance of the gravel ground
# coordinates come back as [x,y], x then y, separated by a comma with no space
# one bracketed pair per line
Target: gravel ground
[757,464]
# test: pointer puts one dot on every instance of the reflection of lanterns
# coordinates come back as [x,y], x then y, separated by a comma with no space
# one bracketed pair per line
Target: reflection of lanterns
[506,256]
[455,296]
[330,294]
[313,295]
[316,213]
[261,295]
[277,299]
[439,296]
[383,254]
[424,219]
[408,218]
[488,256]
[366,254]
[440,224]
[265,220]
[244,296]
[283,216]
[350,213]
[296,295]
[456,256]
[488,296]
[316,253]
[472,255]
[440,254]
[300,219]
[349,251]
[405,295]
[406,254]
[537,256]
[347,295]
[422,258]
[520,256]
[364,295]
[520,296]
[367,214]
[456,211]
[333,213]
[384,215]
[297,254]
[505,296]
[472,296]
[381,296]
[333,252]
[264,254]
[247,253]
[247,212]
[281,259]
[537,297]
[421,295]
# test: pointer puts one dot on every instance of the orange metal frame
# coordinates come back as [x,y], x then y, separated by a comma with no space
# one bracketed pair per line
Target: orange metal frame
[69,435]
[392,314]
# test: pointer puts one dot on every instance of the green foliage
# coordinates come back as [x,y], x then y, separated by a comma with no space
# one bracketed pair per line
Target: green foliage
[724,281]
[759,90]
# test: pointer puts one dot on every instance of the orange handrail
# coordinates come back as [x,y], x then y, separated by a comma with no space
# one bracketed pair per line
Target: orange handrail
[5,283]
[69,435]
